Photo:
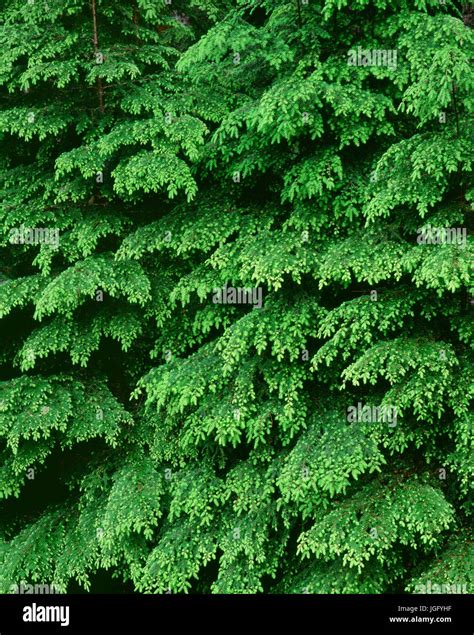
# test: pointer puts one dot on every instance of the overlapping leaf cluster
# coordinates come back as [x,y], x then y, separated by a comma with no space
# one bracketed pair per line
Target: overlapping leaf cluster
[184,445]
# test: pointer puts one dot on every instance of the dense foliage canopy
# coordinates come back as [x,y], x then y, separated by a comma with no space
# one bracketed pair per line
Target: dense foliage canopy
[162,430]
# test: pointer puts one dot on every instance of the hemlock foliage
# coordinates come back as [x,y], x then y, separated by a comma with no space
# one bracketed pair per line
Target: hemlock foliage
[187,445]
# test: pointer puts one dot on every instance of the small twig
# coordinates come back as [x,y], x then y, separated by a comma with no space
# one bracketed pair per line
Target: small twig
[453,92]
[100,87]
[298,6]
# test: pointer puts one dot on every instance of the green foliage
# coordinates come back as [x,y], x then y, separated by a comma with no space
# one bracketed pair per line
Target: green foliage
[152,155]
